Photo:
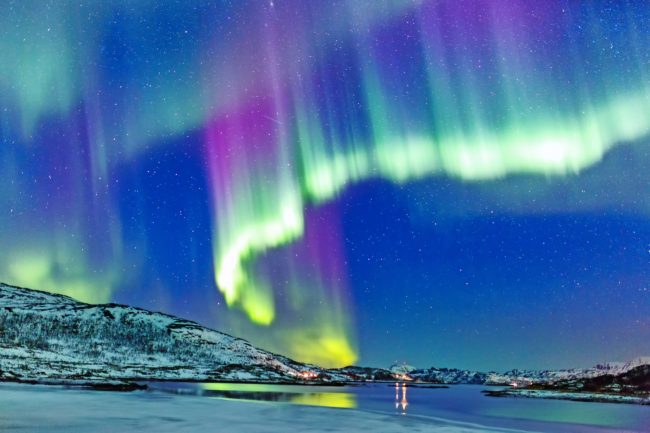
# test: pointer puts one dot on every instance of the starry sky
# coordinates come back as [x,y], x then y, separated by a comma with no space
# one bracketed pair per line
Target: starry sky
[454,183]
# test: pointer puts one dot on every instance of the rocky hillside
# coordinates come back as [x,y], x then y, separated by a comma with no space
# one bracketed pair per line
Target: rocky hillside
[623,386]
[531,377]
[450,376]
[518,378]
[53,338]
[48,337]
[362,374]
[633,381]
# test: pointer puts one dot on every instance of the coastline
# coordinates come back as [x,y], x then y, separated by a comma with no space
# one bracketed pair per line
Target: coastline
[589,397]
[131,385]
[33,409]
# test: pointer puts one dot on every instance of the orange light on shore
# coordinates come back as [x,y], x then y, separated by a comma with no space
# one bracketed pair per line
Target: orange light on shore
[402,377]
[307,375]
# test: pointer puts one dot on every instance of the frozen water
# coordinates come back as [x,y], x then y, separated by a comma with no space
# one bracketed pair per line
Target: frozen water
[52,409]
[25,408]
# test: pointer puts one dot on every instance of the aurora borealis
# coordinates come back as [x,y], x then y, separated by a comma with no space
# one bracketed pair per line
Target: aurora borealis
[338,181]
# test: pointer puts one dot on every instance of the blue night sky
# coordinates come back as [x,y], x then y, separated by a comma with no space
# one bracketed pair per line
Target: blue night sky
[452,183]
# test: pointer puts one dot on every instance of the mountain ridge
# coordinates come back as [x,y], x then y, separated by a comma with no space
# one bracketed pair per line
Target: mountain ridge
[53,338]
[45,336]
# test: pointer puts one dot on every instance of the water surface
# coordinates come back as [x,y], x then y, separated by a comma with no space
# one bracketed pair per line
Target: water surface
[462,403]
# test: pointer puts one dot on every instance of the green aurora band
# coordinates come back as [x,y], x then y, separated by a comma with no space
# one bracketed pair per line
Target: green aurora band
[449,129]
[476,90]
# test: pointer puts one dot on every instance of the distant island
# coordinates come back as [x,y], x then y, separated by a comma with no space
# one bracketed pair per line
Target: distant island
[47,338]
[629,384]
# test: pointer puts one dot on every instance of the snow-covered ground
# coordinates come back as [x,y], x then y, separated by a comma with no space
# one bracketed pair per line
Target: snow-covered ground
[545,376]
[48,337]
[520,377]
[51,338]
[37,408]
[576,396]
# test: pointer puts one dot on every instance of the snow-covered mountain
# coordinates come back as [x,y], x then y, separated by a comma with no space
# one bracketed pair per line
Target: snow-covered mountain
[618,368]
[361,374]
[48,337]
[449,376]
[523,377]
[633,379]
[630,383]
[528,377]
[401,368]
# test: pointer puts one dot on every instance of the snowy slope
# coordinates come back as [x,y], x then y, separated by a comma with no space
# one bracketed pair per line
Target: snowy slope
[51,337]
[630,384]
[451,376]
[525,377]
[36,409]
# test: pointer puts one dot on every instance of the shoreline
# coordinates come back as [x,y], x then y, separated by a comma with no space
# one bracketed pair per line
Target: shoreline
[140,384]
[130,385]
[130,412]
[585,397]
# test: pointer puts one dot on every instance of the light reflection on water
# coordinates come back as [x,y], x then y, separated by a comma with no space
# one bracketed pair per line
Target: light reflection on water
[305,395]
[463,403]
[342,400]
[401,403]
[326,396]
